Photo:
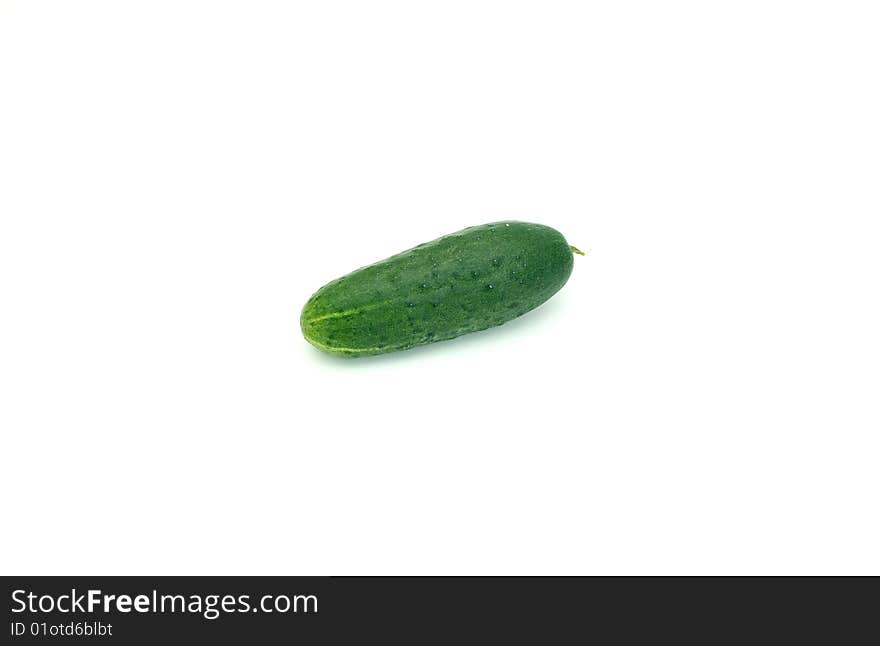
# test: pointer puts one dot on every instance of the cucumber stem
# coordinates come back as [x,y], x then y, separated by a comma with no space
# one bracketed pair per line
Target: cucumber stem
[576,250]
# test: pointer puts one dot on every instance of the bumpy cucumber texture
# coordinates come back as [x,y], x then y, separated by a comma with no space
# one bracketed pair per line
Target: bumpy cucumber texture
[464,282]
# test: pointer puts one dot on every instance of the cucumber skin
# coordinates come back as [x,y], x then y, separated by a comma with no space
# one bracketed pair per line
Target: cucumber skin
[464,282]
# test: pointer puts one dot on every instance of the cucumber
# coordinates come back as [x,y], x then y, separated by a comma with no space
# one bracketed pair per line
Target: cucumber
[464,282]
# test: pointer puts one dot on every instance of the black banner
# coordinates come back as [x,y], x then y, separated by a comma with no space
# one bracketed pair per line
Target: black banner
[268,610]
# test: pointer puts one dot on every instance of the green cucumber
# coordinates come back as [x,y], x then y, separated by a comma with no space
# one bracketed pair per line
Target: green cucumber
[465,282]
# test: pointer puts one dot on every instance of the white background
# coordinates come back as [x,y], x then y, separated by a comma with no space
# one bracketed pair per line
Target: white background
[176,178]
